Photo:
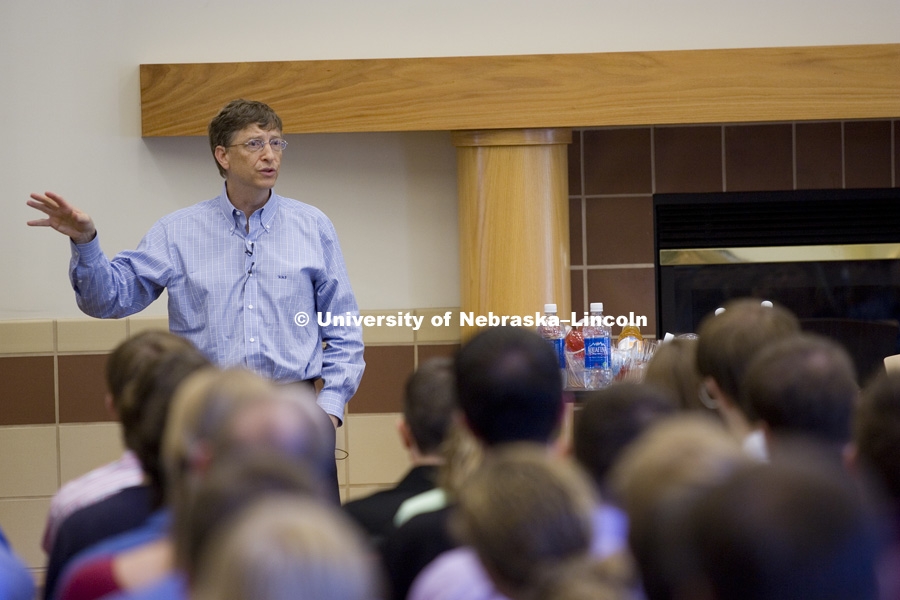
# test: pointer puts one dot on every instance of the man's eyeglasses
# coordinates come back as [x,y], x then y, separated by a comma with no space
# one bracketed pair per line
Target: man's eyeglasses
[256,144]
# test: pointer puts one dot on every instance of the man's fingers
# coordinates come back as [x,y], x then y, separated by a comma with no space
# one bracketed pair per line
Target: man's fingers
[39,223]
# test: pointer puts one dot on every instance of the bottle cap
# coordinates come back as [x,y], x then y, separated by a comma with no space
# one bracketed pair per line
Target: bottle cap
[550,308]
[596,307]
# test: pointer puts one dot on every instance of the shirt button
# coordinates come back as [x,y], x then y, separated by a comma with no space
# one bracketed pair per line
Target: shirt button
[250,306]
[252,339]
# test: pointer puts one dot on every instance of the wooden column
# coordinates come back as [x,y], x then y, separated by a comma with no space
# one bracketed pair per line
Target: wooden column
[513,221]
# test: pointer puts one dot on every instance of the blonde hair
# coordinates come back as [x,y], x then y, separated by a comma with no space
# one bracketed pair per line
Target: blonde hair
[200,407]
[287,549]
[524,511]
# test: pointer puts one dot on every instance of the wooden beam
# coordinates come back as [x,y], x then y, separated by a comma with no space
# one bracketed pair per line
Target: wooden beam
[534,91]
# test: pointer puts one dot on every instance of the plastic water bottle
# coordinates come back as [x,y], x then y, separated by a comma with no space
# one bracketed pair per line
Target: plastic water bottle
[555,333]
[597,368]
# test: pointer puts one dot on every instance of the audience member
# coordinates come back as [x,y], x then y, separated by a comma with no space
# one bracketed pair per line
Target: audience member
[102,482]
[216,415]
[508,389]
[802,385]
[429,406]
[586,578]
[656,479]
[143,413]
[727,343]
[781,531]
[876,456]
[524,512]
[673,367]
[16,583]
[283,549]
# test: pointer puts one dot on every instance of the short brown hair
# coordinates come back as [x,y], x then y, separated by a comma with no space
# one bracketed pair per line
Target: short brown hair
[728,341]
[233,117]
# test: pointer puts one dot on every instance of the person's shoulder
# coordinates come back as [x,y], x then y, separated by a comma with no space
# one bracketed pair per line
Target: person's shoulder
[301,209]
[194,211]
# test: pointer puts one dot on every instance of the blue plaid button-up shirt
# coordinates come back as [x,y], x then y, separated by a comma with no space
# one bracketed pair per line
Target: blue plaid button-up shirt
[243,298]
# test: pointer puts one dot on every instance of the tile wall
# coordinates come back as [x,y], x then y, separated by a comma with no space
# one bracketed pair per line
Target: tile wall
[613,173]
[53,426]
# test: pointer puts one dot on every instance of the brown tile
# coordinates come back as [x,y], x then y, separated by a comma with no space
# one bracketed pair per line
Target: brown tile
[819,156]
[426,353]
[758,157]
[27,390]
[574,160]
[867,154]
[575,238]
[381,388]
[688,159]
[619,230]
[623,291]
[82,388]
[617,161]
[577,276]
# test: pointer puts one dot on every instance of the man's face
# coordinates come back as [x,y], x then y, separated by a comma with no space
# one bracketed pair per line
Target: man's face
[247,168]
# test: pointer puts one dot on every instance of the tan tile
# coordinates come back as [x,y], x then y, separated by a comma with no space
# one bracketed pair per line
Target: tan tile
[435,328]
[23,523]
[82,388]
[138,324]
[340,452]
[28,390]
[427,352]
[362,491]
[377,456]
[23,337]
[29,461]
[89,335]
[398,333]
[85,447]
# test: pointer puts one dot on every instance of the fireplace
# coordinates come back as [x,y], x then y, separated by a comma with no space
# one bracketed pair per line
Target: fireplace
[830,256]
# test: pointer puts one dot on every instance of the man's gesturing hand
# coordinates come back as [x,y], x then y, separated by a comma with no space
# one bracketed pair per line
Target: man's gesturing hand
[62,217]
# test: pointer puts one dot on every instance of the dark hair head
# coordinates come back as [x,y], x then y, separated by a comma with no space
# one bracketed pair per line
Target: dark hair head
[509,386]
[233,117]
[610,419]
[876,432]
[803,385]
[145,409]
[129,357]
[785,530]
[429,403]
[728,341]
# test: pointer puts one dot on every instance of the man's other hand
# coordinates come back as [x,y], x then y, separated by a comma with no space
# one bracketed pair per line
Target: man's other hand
[63,217]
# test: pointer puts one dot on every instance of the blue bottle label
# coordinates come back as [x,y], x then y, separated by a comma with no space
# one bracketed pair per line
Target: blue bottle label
[596,353]
[559,346]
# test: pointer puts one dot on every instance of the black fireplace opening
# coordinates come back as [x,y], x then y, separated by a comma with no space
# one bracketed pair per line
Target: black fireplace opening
[830,256]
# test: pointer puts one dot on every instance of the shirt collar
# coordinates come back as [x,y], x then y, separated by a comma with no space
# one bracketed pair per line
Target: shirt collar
[267,212]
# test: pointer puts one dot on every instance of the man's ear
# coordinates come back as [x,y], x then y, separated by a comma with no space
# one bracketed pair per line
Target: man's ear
[405,434]
[110,406]
[222,157]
